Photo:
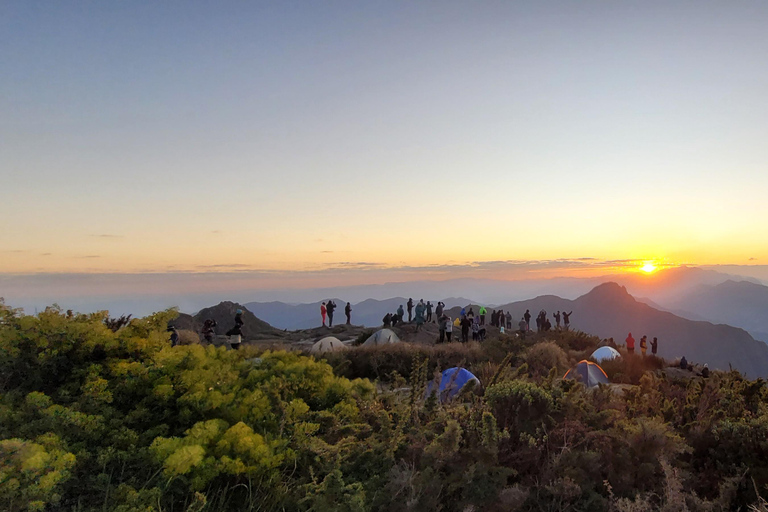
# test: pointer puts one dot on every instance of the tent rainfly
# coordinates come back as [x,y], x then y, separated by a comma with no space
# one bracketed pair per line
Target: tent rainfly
[327,344]
[451,382]
[382,337]
[605,353]
[589,373]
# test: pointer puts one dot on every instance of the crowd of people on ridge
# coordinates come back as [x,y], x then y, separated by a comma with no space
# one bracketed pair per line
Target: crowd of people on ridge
[467,321]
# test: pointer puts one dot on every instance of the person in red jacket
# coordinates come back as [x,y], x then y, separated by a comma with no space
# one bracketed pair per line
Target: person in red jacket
[630,344]
[323,311]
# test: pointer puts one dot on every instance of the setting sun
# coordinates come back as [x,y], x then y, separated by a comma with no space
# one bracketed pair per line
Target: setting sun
[648,268]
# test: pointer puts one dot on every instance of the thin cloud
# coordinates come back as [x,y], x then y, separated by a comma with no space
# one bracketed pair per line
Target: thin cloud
[47,254]
[88,256]
[326,252]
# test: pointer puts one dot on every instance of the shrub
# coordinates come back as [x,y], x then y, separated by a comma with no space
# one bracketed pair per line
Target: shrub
[542,357]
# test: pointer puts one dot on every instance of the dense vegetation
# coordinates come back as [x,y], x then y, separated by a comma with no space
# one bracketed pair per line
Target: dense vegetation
[93,418]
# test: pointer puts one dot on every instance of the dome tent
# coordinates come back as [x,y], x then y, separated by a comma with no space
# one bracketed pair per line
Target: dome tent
[327,344]
[605,353]
[451,382]
[382,337]
[589,373]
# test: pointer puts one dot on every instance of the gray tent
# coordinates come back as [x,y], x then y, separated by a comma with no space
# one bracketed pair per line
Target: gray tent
[327,344]
[382,337]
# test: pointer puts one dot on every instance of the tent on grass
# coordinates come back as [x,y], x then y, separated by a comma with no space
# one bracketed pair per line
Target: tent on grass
[605,353]
[327,344]
[451,383]
[589,373]
[382,337]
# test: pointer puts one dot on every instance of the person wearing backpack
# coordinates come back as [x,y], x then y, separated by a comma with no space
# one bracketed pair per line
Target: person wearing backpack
[630,344]
[330,307]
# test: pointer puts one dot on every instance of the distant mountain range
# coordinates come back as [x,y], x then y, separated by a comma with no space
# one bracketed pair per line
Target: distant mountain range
[306,316]
[609,311]
[739,303]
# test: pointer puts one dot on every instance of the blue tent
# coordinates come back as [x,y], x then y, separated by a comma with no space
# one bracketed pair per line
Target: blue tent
[589,373]
[451,382]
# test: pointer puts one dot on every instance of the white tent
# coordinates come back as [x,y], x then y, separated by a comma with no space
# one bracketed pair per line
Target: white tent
[327,344]
[605,353]
[382,337]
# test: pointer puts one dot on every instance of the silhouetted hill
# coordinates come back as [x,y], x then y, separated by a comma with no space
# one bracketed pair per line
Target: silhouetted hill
[739,303]
[609,311]
[224,315]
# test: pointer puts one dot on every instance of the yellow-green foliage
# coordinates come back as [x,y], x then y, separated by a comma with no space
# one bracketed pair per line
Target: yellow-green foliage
[30,472]
[92,419]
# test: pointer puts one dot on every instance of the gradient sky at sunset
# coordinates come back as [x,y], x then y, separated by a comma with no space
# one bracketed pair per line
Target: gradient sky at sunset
[284,136]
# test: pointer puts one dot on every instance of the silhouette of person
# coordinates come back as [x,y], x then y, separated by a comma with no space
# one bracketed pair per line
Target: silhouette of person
[527,317]
[643,345]
[557,320]
[442,322]
[387,319]
[323,311]
[400,313]
[567,319]
[174,335]
[466,323]
[236,332]
[429,312]
[330,307]
[409,305]
[654,345]
[439,309]
[420,308]
[348,312]
[630,344]
[208,330]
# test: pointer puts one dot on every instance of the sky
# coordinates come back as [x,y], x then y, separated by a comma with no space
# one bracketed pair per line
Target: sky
[293,139]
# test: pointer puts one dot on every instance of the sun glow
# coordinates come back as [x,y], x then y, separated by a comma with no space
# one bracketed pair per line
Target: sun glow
[648,267]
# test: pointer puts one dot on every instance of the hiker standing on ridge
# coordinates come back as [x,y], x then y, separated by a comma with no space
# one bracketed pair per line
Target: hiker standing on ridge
[630,344]
[654,345]
[644,345]
[387,320]
[409,305]
[527,317]
[208,330]
[323,311]
[448,328]
[429,312]
[463,313]
[509,320]
[442,322]
[420,307]
[400,314]
[235,333]
[482,312]
[466,323]
[439,310]
[557,320]
[348,312]
[330,306]
[567,319]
